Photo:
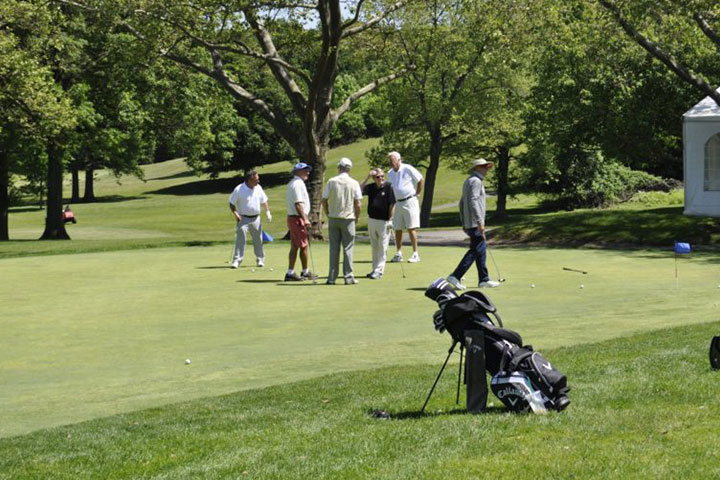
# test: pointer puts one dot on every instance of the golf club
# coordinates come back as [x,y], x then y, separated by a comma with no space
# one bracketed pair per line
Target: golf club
[500,278]
[232,254]
[312,261]
[574,270]
[402,268]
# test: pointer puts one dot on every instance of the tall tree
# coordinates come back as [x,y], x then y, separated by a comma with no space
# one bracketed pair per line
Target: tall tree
[33,109]
[462,56]
[279,59]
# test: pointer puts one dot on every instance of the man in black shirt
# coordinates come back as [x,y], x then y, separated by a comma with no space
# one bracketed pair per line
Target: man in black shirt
[381,207]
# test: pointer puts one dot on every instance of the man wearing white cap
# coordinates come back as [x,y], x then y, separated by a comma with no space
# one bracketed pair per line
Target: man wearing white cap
[407,185]
[472,213]
[245,201]
[341,199]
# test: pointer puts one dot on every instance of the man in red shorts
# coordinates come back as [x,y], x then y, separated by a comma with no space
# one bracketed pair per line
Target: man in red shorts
[298,207]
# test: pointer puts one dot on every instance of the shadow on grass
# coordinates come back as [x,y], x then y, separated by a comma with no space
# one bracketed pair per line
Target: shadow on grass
[216,267]
[416,415]
[220,185]
[185,174]
[279,282]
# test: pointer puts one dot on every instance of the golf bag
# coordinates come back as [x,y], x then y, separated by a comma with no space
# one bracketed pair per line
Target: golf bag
[715,353]
[522,378]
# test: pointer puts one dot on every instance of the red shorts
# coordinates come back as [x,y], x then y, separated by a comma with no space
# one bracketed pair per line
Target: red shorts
[298,232]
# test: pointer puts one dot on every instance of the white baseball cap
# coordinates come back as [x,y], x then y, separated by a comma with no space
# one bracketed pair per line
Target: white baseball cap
[345,163]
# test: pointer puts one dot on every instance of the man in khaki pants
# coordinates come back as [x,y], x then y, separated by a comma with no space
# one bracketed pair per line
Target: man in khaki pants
[341,199]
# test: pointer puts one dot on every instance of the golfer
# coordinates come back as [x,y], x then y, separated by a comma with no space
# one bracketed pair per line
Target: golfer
[298,222]
[472,213]
[381,206]
[341,200]
[407,185]
[245,201]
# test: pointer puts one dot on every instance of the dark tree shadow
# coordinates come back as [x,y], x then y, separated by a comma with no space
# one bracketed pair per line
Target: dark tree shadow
[221,185]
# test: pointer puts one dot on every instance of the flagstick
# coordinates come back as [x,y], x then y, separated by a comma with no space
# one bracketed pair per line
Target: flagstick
[677,285]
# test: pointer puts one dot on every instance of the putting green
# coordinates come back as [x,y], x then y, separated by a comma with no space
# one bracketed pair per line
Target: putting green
[91,335]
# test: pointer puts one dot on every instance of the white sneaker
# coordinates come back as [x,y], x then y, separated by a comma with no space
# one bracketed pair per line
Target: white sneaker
[456,283]
[489,284]
[414,258]
[260,262]
[397,258]
[235,264]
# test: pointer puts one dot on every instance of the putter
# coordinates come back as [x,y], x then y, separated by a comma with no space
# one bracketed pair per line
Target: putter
[312,261]
[402,268]
[232,255]
[574,270]
[500,279]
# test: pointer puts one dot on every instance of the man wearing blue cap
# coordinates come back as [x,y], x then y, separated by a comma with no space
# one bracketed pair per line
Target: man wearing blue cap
[298,207]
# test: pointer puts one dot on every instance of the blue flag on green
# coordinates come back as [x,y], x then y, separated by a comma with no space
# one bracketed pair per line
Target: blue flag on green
[682,247]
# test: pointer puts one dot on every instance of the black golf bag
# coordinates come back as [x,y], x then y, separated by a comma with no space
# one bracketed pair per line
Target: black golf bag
[522,378]
[715,353]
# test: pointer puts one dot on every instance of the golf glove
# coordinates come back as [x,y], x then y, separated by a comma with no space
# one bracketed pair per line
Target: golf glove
[267,214]
[439,321]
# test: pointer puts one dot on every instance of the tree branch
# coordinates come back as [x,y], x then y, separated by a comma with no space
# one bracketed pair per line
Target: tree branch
[370,23]
[279,71]
[654,50]
[706,28]
[355,18]
[365,90]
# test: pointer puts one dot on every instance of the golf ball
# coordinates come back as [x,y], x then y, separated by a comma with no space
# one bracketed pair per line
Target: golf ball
[187,361]
[252,269]
[532,286]
[271,269]
[582,286]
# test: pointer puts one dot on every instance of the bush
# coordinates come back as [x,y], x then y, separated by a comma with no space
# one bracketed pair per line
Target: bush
[591,181]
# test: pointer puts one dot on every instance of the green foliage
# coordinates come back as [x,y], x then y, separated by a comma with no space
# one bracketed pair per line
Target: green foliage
[590,180]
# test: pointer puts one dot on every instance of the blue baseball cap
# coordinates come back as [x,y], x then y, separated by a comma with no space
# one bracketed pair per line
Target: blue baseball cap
[302,166]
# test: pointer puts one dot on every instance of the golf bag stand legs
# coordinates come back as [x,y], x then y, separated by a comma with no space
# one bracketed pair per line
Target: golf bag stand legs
[475,371]
[432,389]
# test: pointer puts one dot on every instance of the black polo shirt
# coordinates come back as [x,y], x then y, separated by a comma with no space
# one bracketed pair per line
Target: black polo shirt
[379,200]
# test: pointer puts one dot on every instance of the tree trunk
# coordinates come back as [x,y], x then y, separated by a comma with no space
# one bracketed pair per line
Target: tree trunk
[316,158]
[4,195]
[75,198]
[89,185]
[54,224]
[436,144]
[503,167]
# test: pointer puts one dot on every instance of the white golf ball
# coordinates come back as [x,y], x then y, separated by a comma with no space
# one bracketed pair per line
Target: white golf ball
[582,286]
[187,361]
[532,286]
[271,269]
[252,269]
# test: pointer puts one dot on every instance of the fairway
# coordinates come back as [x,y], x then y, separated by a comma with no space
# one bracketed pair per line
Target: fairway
[90,335]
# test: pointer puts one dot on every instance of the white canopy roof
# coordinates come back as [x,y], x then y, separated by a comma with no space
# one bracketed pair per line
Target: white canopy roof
[706,110]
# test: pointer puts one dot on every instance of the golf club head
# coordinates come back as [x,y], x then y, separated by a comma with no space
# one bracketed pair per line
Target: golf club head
[501,280]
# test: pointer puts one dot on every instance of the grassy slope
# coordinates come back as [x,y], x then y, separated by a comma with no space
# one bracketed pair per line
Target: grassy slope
[89,335]
[643,407]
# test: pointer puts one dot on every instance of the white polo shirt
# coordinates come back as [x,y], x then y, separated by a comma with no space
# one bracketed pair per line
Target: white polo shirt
[297,192]
[248,200]
[404,181]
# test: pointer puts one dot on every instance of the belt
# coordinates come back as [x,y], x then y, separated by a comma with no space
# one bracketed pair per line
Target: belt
[249,216]
[293,216]
[407,198]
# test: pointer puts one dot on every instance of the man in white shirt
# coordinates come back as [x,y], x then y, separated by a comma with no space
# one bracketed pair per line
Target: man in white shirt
[407,185]
[341,199]
[298,208]
[245,201]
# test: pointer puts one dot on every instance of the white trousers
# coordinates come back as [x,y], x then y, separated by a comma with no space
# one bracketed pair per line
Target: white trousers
[245,224]
[379,231]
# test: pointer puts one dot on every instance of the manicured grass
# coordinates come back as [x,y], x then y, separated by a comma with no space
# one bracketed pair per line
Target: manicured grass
[642,407]
[89,335]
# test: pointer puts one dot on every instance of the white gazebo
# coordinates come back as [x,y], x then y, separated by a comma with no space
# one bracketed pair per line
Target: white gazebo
[701,152]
